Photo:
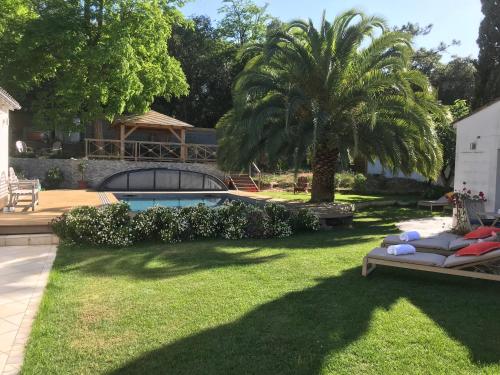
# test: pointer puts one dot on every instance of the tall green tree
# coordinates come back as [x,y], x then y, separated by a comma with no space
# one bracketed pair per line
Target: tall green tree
[95,59]
[346,87]
[488,67]
[243,21]
[210,65]
[447,137]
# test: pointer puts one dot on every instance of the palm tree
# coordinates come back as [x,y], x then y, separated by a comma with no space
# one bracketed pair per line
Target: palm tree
[346,89]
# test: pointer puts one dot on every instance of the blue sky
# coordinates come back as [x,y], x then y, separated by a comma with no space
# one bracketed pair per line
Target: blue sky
[452,19]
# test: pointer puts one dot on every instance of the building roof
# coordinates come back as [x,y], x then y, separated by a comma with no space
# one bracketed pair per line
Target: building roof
[493,102]
[152,119]
[9,100]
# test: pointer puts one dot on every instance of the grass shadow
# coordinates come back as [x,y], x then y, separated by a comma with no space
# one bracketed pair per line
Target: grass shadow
[295,333]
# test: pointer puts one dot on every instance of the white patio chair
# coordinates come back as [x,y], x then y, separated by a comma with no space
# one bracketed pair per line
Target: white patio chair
[23,191]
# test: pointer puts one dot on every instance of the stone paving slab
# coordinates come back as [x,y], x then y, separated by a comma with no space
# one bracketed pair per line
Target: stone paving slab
[24,271]
[427,227]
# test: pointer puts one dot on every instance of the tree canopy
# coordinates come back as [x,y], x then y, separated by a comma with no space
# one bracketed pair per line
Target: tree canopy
[210,65]
[488,67]
[243,21]
[346,87]
[93,60]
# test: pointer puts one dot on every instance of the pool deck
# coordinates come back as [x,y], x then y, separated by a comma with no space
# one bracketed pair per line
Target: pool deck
[52,203]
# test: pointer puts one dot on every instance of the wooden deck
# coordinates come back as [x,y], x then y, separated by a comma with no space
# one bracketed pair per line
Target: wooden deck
[53,203]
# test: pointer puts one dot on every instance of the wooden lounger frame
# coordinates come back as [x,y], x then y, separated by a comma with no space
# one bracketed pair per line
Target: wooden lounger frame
[369,264]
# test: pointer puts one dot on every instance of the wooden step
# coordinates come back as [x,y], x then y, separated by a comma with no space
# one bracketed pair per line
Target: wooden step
[28,239]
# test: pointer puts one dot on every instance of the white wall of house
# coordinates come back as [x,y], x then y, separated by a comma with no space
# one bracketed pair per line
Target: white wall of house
[4,152]
[377,168]
[478,152]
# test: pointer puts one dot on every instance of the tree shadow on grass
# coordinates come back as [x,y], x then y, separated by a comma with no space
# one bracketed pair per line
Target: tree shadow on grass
[294,334]
[153,260]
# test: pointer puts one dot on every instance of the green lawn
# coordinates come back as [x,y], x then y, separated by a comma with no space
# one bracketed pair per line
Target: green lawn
[340,197]
[292,306]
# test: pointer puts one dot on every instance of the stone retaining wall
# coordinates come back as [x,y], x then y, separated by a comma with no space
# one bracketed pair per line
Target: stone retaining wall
[98,170]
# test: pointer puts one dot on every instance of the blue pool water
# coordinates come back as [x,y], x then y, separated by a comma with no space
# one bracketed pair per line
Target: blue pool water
[141,202]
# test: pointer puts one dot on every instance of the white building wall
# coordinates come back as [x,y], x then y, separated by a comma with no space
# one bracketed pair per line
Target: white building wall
[478,167]
[4,153]
[377,168]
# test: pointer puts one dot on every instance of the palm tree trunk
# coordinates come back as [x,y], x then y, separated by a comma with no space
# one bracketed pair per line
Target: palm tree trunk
[323,183]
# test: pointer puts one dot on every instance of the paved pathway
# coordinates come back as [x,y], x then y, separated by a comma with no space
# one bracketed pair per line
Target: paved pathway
[23,275]
[428,226]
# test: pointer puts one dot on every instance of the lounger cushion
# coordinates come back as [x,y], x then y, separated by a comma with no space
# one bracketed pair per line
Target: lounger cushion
[440,242]
[481,232]
[478,249]
[454,261]
[425,259]
[460,243]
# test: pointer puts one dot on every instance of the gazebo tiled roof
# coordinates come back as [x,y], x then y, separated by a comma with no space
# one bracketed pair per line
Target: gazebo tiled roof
[9,100]
[152,119]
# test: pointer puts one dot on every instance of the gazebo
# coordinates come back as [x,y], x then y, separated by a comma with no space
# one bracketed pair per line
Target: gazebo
[126,149]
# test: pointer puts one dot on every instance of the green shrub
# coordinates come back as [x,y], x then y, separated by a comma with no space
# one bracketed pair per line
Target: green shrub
[304,220]
[112,225]
[53,178]
[108,225]
[344,180]
[278,221]
[435,192]
[359,185]
[232,218]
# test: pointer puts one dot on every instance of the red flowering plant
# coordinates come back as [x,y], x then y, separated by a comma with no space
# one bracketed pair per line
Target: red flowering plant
[458,199]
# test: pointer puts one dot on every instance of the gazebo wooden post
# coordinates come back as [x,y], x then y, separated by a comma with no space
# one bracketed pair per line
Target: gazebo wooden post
[122,141]
[183,145]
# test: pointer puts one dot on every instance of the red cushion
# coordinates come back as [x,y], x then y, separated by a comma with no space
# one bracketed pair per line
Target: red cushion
[479,248]
[481,232]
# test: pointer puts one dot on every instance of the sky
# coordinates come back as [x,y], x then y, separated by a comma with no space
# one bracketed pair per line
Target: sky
[452,19]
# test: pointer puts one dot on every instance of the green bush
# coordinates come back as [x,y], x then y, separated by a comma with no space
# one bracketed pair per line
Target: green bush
[359,185]
[108,225]
[278,221]
[304,220]
[53,178]
[344,180]
[112,225]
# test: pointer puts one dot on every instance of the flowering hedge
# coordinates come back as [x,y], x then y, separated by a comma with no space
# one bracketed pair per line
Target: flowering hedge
[112,225]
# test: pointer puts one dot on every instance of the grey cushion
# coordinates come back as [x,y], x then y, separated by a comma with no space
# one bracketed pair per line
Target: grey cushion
[425,259]
[440,241]
[460,243]
[454,261]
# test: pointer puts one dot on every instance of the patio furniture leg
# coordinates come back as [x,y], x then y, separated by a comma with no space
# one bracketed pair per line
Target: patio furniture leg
[367,267]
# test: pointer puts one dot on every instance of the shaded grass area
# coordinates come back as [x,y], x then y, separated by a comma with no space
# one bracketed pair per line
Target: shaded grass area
[340,197]
[292,306]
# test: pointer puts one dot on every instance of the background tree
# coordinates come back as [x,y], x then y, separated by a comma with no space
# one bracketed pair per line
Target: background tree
[243,21]
[488,67]
[210,65]
[94,60]
[447,137]
[345,88]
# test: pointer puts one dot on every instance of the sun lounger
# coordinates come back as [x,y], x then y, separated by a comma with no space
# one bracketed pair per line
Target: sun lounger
[444,243]
[468,266]
[441,202]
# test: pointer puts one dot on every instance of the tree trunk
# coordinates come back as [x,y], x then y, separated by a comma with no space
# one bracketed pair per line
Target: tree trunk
[323,183]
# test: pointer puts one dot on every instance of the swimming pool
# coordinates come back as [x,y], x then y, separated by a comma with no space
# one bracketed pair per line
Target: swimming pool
[143,201]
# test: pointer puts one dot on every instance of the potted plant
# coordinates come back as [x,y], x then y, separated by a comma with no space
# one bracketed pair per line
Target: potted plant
[82,184]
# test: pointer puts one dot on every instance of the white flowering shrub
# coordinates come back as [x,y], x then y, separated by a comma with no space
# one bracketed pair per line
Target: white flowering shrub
[304,220]
[232,220]
[107,225]
[203,222]
[173,225]
[112,225]
[278,221]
